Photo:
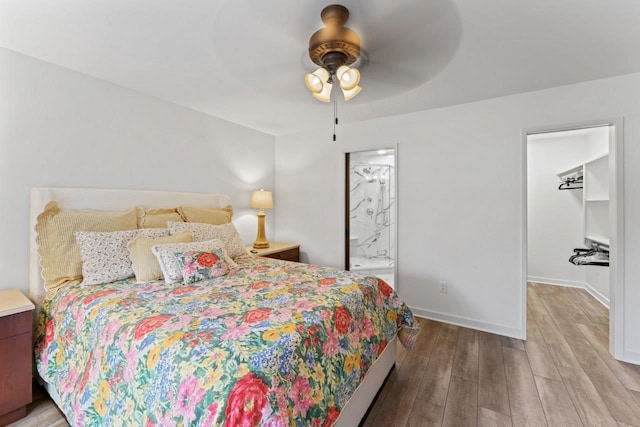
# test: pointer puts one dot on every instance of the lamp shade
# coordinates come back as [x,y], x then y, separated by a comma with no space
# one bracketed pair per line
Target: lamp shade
[348,94]
[325,95]
[348,77]
[315,81]
[261,200]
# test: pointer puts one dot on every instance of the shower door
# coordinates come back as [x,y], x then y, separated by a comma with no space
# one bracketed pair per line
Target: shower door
[371,211]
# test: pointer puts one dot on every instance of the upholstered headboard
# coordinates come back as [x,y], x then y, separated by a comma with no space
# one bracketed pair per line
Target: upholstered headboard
[103,199]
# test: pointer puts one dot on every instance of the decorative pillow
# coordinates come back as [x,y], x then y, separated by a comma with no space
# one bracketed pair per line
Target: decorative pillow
[169,264]
[157,218]
[201,232]
[198,266]
[144,263]
[213,216]
[105,257]
[59,252]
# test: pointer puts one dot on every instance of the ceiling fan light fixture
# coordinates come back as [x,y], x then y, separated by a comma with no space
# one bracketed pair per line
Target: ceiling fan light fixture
[334,48]
[325,94]
[348,77]
[348,94]
[317,80]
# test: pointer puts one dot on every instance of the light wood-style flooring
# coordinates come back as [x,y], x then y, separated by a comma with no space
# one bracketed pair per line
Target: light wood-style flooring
[563,375]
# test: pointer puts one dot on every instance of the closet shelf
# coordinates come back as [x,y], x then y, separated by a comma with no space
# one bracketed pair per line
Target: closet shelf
[598,240]
[576,170]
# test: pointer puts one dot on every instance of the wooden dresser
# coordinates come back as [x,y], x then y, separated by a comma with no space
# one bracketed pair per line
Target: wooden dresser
[279,250]
[16,355]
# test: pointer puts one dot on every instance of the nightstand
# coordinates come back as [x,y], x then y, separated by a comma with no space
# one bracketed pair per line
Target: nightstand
[279,250]
[16,355]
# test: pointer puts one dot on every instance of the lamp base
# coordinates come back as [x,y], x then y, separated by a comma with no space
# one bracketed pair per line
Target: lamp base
[261,241]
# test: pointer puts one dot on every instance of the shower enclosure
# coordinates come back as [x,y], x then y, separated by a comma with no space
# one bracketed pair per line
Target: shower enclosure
[371,213]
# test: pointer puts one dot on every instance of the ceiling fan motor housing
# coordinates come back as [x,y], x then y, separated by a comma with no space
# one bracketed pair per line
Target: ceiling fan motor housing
[335,45]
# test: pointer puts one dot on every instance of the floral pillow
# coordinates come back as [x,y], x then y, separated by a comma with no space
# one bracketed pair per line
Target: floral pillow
[104,254]
[169,264]
[197,266]
[225,232]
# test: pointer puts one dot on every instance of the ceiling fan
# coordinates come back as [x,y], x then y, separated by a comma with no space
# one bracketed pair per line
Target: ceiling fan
[334,48]
[397,45]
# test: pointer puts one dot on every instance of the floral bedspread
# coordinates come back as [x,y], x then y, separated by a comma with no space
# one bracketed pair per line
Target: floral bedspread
[272,343]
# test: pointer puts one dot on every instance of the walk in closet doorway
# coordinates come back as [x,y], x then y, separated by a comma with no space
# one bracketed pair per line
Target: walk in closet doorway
[573,210]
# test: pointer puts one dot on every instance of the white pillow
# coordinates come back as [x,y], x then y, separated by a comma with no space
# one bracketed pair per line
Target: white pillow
[202,232]
[104,254]
[169,263]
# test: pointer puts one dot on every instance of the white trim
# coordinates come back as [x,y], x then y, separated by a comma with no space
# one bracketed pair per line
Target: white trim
[557,282]
[468,323]
[567,284]
[597,295]
[524,261]
[631,356]
[616,216]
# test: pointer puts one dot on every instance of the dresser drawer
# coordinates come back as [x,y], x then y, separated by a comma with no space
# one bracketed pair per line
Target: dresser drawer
[15,324]
[288,255]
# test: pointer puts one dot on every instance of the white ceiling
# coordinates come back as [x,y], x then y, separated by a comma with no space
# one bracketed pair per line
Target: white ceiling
[244,60]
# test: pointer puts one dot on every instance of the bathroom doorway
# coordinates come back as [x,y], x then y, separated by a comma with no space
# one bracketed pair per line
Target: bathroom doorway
[370,214]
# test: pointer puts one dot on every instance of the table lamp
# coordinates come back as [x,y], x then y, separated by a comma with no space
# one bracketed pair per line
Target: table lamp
[261,200]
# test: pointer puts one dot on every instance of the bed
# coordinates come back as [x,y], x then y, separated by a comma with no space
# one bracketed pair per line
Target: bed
[269,343]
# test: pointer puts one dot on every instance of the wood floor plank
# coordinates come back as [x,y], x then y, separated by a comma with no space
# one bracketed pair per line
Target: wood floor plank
[585,398]
[599,341]
[592,307]
[492,382]
[557,345]
[393,411]
[565,323]
[534,301]
[538,354]
[557,405]
[566,300]
[636,396]
[425,414]
[435,381]
[512,343]
[489,418]
[603,327]
[585,353]
[465,362]
[526,408]
[383,410]
[462,404]
[621,404]
[427,337]
[628,374]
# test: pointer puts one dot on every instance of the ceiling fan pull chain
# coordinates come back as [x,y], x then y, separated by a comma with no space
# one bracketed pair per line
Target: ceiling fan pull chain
[335,117]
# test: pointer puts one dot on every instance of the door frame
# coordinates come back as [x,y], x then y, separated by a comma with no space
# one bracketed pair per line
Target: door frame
[347,204]
[616,224]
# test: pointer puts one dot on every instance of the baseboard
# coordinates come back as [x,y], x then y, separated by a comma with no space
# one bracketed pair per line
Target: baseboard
[468,323]
[557,282]
[631,357]
[571,284]
[597,295]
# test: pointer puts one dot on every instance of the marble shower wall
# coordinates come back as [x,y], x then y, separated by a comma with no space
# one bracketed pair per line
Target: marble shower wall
[372,210]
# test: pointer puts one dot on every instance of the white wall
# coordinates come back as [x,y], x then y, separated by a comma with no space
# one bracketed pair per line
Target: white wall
[460,174]
[555,218]
[61,128]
